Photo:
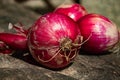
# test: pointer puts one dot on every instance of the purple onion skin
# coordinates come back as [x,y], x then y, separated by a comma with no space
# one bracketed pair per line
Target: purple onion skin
[74,11]
[46,37]
[102,33]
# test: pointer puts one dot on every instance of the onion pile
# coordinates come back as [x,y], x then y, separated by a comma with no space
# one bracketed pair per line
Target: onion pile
[55,38]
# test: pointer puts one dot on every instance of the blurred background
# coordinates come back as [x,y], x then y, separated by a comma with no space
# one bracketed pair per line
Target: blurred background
[27,11]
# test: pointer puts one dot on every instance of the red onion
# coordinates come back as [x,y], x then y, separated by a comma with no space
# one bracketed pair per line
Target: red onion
[74,11]
[54,40]
[102,33]
[13,41]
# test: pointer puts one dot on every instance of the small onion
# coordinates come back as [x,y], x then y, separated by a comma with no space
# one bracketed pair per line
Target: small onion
[54,40]
[10,42]
[74,11]
[102,33]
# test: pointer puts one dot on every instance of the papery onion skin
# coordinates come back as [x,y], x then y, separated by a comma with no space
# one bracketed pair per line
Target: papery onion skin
[103,33]
[74,11]
[49,38]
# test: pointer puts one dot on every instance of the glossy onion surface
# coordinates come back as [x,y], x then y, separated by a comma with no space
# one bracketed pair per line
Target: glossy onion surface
[102,33]
[74,11]
[54,39]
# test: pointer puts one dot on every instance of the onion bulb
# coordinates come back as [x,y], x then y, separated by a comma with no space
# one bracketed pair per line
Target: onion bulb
[101,31]
[54,40]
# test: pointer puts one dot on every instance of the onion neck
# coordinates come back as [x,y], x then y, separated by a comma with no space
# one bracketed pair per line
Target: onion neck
[66,44]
